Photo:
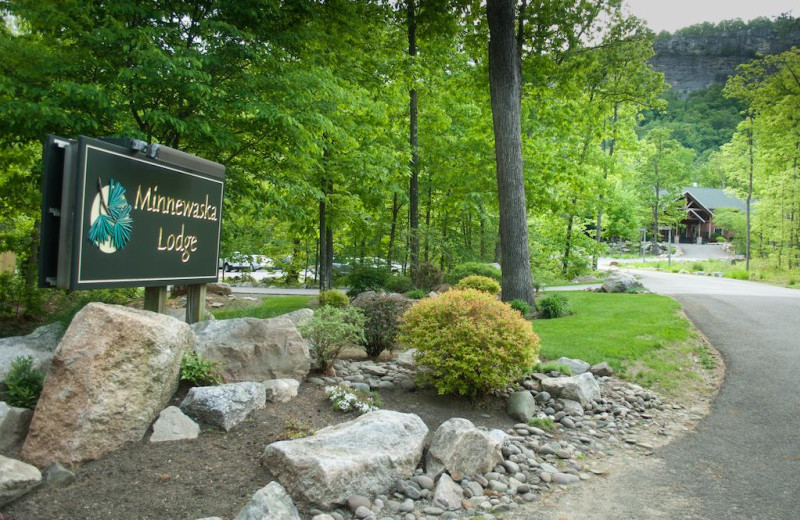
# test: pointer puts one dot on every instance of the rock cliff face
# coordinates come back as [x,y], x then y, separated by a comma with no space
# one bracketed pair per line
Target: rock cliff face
[694,59]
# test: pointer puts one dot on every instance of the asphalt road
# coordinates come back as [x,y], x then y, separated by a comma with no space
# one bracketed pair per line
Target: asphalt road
[743,460]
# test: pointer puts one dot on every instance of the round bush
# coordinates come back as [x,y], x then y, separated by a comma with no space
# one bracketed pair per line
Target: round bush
[398,284]
[469,268]
[333,298]
[382,312]
[365,277]
[480,283]
[469,341]
[553,306]
[427,277]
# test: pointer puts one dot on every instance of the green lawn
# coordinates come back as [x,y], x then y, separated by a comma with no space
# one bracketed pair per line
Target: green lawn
[644,337]
[269,307]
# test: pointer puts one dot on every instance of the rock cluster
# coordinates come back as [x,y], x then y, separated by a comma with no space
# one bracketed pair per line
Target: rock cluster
[371,375]
[532,460]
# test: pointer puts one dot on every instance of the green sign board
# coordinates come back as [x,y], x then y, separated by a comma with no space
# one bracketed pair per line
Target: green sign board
[137,218]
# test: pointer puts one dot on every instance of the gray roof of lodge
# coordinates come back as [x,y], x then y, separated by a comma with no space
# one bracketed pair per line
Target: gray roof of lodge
[714,198]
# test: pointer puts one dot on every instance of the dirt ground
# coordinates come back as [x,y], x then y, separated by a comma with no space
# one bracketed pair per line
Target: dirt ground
[216,474]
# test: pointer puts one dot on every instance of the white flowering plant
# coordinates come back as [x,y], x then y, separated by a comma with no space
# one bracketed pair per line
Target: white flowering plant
[346,399]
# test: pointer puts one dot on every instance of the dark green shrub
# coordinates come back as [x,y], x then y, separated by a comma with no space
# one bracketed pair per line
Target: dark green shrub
[365,277]
[330,331]
[481,283]
[426,277]
[416,294]
[199,371]
[333,298]
[399,284]
[553,306]
[24,383]
[473,268]
[469,340]
[521,306]
[382,312]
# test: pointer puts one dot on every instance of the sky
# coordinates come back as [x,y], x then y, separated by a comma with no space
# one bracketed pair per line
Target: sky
[670,15]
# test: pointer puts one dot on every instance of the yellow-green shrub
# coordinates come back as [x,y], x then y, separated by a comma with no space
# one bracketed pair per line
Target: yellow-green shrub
[470,341]
[333,298]
[481,283]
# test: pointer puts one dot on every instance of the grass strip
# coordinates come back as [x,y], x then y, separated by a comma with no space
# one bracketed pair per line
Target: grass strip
[644,337]
[269,307]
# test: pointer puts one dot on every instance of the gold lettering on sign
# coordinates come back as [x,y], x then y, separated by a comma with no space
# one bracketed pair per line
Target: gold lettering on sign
[180,243]
[154,202]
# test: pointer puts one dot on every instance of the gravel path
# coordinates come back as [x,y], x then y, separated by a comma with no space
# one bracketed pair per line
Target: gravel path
[743,459]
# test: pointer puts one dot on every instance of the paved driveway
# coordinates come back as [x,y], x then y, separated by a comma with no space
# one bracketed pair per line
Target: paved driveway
[743,460]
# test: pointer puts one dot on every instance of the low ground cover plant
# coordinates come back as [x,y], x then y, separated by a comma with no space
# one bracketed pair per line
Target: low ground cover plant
[521,306]
[469,341]
[552,366]
[553,306]
[24,383]
[200,371]
[416,294]
[330,331]
[543,423]
[346,399]
[382,313]
[481,283]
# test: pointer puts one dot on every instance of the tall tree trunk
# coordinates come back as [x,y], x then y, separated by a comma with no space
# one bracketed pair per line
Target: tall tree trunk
[568,242]
[393,231]
[428,221]
[656,210]
[324,283]
[598,232]
[749,194]
[506,89]
[325,239]
[413,187]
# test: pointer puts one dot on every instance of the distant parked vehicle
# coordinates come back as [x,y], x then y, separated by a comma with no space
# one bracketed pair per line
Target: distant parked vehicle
[241,262]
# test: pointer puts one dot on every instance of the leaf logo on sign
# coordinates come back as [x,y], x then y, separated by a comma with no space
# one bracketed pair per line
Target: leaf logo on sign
[111,221]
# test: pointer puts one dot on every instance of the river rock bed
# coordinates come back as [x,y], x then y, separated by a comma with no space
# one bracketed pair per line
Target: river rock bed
[570,447]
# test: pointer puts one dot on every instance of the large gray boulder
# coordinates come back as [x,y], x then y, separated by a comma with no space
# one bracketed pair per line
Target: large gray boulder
[115,369]
[14,423]
[39,344]
[224,406]
[522,406]
[16,479]
[620,282]
[271,502]
[457,445]
[582,388]
[366,456]
[252,349]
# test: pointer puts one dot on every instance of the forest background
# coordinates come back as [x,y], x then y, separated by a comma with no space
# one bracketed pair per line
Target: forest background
[362,130]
